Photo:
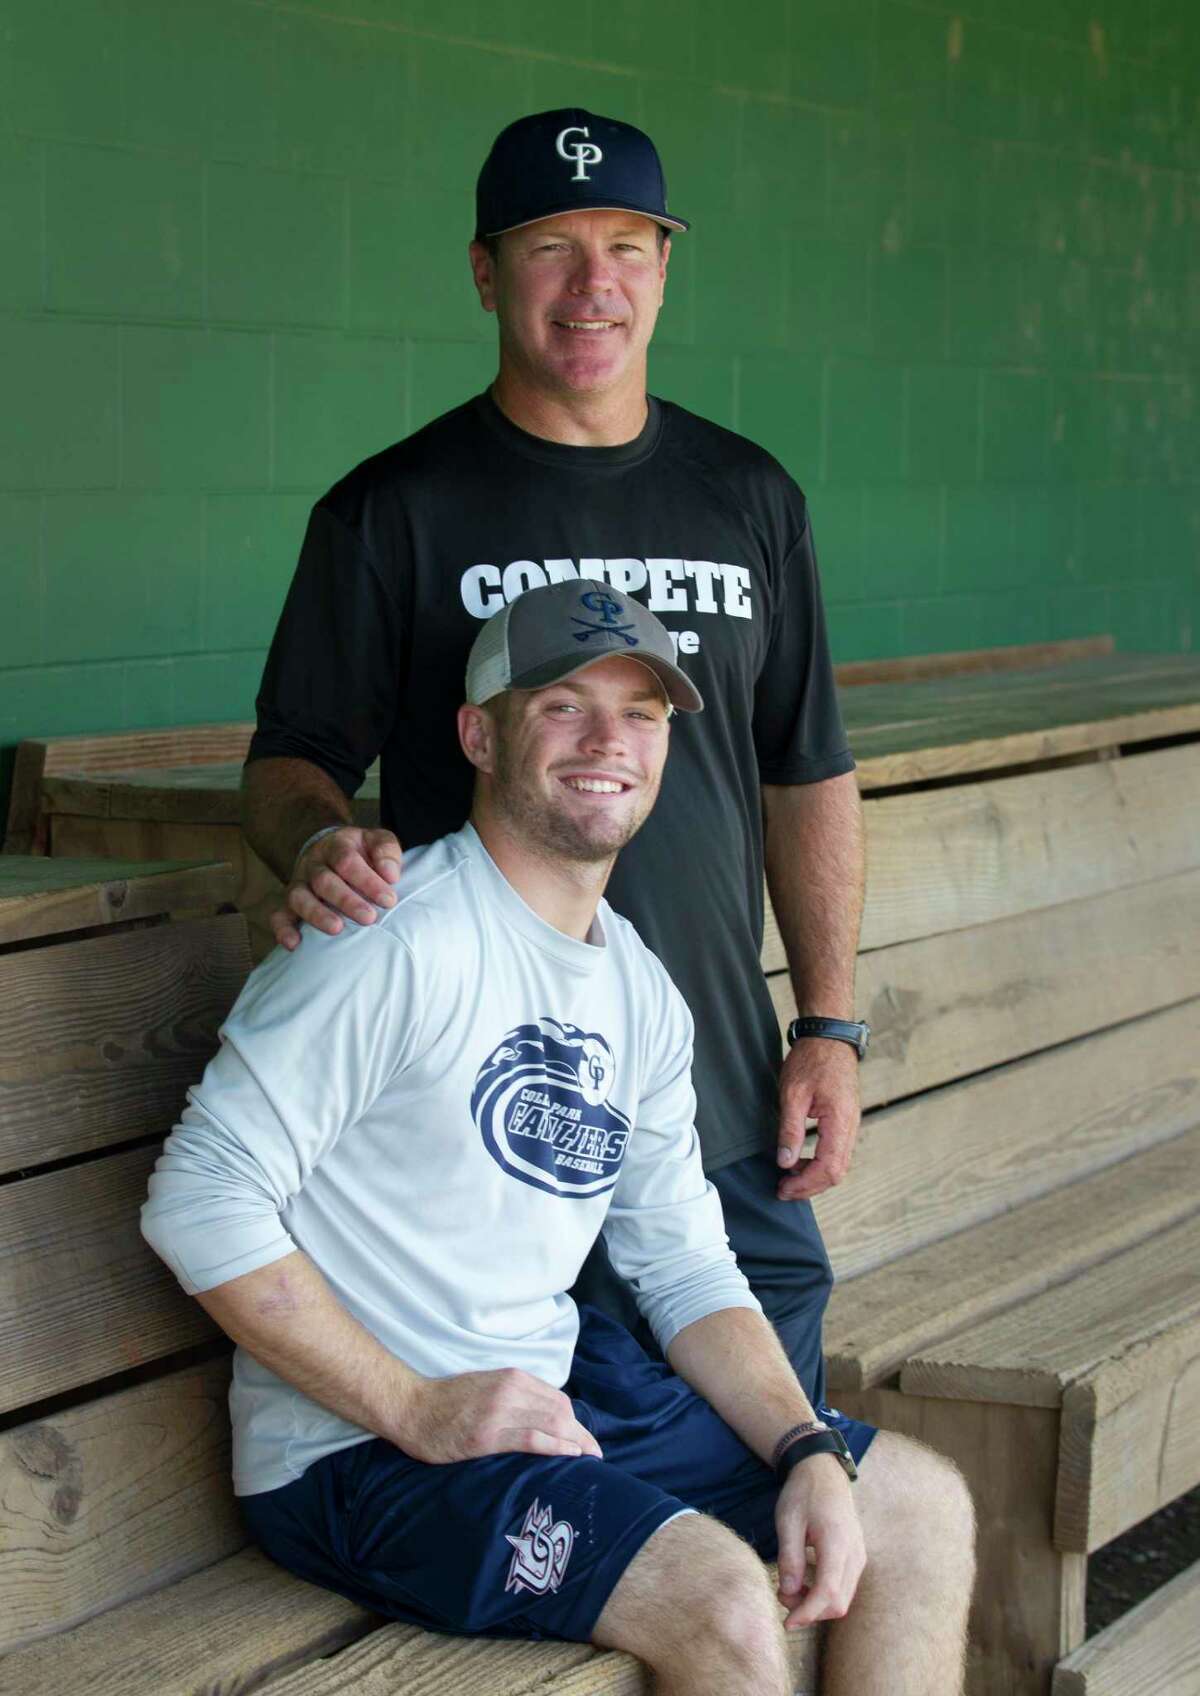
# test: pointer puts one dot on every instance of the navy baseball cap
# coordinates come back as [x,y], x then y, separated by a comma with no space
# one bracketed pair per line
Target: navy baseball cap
[552,632]
[569,161]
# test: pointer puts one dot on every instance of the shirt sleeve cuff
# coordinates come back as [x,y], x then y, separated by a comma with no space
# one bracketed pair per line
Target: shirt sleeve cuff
[808,771]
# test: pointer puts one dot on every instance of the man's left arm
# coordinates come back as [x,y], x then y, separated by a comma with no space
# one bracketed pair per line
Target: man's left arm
[733,1359]
[816,874]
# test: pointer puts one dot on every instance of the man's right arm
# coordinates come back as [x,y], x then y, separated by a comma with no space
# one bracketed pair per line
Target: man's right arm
[287,1317]
[272,1105]
[348,872]
[325,708]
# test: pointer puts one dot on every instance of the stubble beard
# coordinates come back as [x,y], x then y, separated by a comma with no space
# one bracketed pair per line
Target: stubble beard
[551,832]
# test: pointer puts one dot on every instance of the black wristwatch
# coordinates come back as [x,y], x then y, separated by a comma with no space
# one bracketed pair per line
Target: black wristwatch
[829,1442]
[842,1030]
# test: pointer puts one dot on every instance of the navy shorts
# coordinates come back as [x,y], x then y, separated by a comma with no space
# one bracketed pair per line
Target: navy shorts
[519,1545]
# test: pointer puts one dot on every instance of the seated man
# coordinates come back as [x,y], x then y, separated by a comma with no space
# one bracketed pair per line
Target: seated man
[390,1175]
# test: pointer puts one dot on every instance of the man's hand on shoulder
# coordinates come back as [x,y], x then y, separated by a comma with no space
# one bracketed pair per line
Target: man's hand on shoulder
[819,1081]
[345,875]
[816,1510]
[490,1413]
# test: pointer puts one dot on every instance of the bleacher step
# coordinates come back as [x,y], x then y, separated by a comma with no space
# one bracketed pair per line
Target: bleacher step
[876,1322]
[1154,1650]
[222,1632]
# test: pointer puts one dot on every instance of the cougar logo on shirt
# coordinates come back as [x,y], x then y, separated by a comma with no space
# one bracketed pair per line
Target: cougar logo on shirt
[541,1103]
[542,1551]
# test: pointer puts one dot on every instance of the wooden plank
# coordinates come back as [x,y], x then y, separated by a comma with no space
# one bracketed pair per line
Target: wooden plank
[397,1658]
[1030,1353]
[1154,1650]
[24,830]
[402,1658]
[171,745]
[225,1631]
[1024,657]
[1027,1611]
[1130,1439]
[950,1159]
[103,1036]
[40,896]
[104,1502]
[172,795]
[81,1294]
[945,859]
[943,1007]
[908,733]
[873,1324]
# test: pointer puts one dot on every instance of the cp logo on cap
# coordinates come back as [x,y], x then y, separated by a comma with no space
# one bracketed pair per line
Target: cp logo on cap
[609,611]
[583,152]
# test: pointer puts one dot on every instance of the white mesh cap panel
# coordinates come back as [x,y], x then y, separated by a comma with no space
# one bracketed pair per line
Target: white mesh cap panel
[489,668]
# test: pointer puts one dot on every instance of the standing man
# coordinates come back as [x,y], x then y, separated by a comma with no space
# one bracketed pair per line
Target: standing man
[567,468]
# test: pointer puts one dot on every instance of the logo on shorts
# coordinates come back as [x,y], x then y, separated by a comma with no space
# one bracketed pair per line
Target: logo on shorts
[541,1551]
[541,1103]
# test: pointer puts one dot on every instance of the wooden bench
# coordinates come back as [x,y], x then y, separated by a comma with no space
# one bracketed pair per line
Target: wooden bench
[124,1568]
[1017,1243]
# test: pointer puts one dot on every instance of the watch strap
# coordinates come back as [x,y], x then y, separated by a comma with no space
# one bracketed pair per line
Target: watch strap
[828,1442]
[842,1030]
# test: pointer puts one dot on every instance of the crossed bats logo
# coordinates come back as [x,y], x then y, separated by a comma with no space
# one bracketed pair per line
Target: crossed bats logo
[542,1551]
[608,611]
[584,153]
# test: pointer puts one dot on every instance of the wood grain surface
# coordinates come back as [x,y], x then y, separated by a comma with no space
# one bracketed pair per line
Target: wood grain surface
[1154,1650]
[947,859]
[40,896]
[420,1664]
[1031,1353]
[948,1160]
[874,1323]
[1023,657]
[225,1631]
[106,1501]
[945,727]
[1130,1438]
[946,1006]
[1028,1606]
[102,1036]
[81,1294]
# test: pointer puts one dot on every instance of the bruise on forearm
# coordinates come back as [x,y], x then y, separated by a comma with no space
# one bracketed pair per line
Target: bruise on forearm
[816,875]
[288,1318]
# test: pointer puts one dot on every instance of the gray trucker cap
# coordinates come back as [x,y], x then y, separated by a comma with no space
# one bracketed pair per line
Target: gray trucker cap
[551,632]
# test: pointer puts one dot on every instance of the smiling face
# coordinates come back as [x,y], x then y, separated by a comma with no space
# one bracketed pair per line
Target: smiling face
[572,770]
[577,297]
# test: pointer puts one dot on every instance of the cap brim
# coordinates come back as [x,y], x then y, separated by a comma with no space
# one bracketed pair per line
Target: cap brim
[664,218]
[678,686]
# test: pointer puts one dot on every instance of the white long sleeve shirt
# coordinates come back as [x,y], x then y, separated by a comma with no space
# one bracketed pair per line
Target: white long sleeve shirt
[443,1110]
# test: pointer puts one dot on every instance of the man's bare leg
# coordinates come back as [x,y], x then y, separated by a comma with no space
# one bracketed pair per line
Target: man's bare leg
[905,1633]
[694,1604]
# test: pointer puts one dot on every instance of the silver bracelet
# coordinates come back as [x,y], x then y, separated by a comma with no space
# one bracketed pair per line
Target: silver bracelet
[325,830]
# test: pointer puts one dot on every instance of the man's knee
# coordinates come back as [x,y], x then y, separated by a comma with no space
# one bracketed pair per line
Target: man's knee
[694,1589]
[916,1507]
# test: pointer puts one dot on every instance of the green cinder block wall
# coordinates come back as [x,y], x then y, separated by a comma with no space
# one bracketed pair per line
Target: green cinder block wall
[945,264]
